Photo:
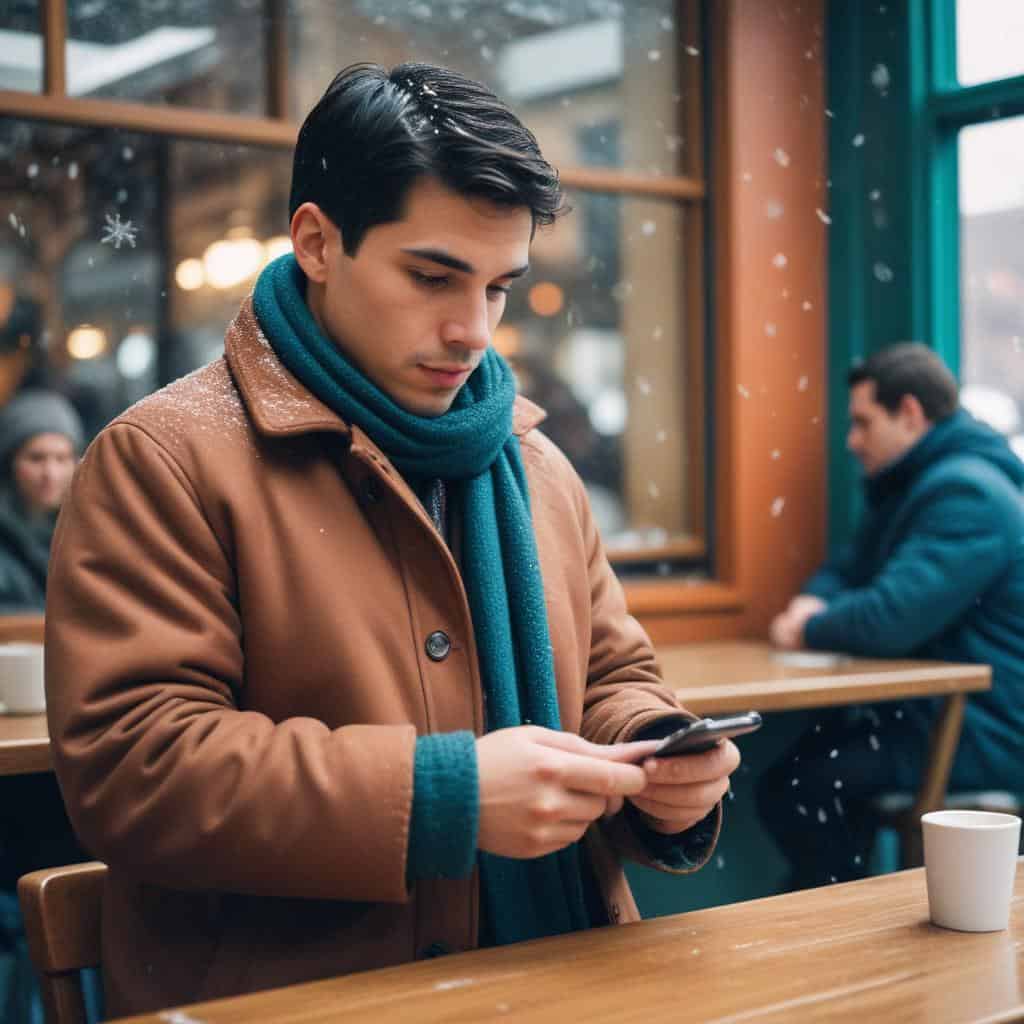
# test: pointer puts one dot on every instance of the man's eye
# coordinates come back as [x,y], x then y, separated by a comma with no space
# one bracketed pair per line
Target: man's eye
[432,281]
[498,289]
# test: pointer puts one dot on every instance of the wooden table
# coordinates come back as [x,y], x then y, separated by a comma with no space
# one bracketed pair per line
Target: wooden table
[24,745]
[22,629]
[747,675]
[863,951]
[24,741]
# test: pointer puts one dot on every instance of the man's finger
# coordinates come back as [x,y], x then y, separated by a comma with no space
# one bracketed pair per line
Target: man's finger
[606,778]
[702,794]
[629,753]
[721,759]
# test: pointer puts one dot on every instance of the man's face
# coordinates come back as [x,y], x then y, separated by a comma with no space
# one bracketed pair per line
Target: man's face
[42,470]
[876,436]
[417,306]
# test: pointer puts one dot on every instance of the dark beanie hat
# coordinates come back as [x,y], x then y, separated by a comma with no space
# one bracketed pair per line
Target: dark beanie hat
[32,412]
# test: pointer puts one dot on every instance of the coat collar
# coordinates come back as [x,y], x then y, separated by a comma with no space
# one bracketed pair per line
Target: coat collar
[281,406]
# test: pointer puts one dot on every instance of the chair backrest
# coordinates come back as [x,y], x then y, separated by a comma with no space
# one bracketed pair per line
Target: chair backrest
[61,909]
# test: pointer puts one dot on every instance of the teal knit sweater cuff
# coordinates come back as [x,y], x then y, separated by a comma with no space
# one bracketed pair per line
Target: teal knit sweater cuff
[445,807]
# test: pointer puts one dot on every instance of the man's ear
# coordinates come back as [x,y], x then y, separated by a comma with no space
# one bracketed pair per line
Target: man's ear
[912,413]
[313,236]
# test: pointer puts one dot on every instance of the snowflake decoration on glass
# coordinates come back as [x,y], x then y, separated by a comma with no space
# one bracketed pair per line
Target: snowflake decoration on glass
[118,232]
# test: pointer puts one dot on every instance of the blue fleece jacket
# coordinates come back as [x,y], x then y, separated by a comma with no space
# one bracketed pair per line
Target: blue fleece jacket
[936,570]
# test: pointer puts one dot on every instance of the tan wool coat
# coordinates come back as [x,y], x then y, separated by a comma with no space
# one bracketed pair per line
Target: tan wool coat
[240,596]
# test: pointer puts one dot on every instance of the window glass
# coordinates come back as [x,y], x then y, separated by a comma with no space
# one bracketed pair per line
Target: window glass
[21,46]
[601,336]
[571,70]
[992,274]
[989,40]
[192,53]
[125,256]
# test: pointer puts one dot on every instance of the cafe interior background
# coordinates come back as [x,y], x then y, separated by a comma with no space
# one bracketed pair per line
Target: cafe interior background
[762,192]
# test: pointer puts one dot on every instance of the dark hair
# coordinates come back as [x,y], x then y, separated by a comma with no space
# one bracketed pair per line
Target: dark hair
[374,133]
[909,368]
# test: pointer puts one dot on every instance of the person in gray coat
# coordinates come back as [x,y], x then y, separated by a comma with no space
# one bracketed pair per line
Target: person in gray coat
[40,440]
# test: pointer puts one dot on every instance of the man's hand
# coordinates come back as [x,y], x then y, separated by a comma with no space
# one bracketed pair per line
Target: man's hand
[787,629]
[683,790]
[540,789]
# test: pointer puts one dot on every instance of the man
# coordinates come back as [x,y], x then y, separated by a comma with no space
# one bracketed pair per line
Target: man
[338,672]
[935,570]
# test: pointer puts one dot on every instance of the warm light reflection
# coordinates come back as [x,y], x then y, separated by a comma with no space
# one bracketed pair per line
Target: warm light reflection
[276,246]
[230,261]
[546,298]
[86,342]
[190,275]
[506,340]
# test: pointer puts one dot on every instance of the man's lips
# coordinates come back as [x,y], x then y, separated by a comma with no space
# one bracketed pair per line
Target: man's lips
[447,375]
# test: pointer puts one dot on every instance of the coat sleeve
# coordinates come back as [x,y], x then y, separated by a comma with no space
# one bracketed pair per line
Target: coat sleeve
[956,546]
[162,771]
[626,699]
[832,578]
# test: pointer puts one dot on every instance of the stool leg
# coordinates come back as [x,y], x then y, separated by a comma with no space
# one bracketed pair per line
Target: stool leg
[911,845]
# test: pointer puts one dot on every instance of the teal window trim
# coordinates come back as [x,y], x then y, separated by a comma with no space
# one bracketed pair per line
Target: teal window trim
[910,156]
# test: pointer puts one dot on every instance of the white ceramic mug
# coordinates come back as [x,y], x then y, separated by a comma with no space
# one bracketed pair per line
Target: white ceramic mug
[22,690]
[970,860]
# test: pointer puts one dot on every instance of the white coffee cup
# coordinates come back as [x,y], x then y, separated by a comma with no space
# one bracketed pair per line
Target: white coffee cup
[22,690]
[970,860]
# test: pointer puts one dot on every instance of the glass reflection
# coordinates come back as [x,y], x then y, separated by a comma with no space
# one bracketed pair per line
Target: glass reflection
[192,53]
[21,46]
[602,338]
[992,275]
[989,40]
[125,257]
[572,70]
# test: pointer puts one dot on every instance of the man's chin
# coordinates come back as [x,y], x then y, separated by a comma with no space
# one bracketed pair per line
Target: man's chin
[426,408]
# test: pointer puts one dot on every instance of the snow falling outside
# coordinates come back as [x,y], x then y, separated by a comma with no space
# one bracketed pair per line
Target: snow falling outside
[118,232]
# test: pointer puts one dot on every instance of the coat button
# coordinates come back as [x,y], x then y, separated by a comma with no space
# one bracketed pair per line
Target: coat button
[435,949]
[438,645]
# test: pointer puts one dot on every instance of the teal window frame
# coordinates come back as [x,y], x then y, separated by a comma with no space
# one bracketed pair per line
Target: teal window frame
[910,156]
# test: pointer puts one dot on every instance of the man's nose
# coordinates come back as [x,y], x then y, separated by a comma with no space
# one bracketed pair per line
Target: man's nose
[469,326]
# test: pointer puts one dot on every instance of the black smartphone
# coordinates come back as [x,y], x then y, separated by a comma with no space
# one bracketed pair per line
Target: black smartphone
[703,734]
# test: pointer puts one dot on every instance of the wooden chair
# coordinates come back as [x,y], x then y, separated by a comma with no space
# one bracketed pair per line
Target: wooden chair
[61,911]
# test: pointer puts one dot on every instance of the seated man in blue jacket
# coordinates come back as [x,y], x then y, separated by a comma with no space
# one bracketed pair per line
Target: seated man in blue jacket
[935,570]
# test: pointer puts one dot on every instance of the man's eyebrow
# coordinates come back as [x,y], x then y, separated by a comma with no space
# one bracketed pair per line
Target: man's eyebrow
[445,260]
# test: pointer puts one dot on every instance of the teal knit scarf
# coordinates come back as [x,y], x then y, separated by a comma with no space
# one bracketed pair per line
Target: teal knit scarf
[472,446]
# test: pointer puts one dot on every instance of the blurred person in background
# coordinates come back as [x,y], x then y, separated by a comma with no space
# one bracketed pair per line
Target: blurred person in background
[40,440]
[935,570]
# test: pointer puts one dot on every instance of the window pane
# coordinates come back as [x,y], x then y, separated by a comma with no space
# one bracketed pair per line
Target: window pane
[191,53]
[21,46]
[93,300]
[601,336]
[126,256]
[571,70]
[989,40]
[992,274]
